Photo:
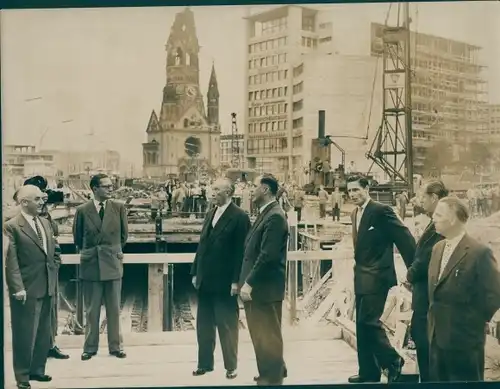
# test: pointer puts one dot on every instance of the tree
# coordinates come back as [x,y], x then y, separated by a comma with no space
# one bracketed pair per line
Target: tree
[438,156]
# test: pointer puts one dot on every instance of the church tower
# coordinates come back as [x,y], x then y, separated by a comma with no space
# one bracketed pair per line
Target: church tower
[185,133]
[213,99]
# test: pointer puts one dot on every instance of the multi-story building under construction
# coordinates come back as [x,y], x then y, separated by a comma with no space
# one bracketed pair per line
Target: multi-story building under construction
[448,93]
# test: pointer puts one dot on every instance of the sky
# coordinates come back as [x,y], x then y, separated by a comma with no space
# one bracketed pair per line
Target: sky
[68,73]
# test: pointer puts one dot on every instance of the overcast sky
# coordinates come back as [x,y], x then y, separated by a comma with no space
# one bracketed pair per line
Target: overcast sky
[104,69]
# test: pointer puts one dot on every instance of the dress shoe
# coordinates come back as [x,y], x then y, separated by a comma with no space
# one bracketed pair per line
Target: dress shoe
[23,385]
[118,354]
[201,371]
[86,356]
[356,379]
[285,374]
[40,377]
[231,374]
[54,352]
[394,371]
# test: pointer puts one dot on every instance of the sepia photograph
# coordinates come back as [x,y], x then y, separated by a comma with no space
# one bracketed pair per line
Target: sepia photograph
[265,195]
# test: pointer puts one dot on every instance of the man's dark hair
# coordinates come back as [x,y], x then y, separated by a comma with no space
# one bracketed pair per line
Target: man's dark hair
[363,181]
[436,187]
[38,181]
[271,182]
[95,181]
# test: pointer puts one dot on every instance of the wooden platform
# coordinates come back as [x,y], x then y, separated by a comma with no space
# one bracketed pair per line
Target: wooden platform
[313,356]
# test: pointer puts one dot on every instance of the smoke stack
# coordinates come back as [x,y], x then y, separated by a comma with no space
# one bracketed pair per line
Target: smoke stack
[321,124]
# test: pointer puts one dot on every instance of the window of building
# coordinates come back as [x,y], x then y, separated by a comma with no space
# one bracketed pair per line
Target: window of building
[324,26]
[298,87]
[297,123]
[298,70]
[297,106]
[308,23]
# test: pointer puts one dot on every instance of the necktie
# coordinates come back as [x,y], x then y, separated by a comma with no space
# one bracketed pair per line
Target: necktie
[38,231]
[446,257]
[101,210]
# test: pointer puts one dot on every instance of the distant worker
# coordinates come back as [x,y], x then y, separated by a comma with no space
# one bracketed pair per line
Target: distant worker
[299,199]
[215,271]
[464,294]
[337,203]
[100,231]
[323,200]
[263,279]
[417,276]
[375,231]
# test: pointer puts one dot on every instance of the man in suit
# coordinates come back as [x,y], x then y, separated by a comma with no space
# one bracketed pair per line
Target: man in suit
[464,294]
[375,230]
[31,276]
[216,271]
[100,231]
[262,280]
[417,276]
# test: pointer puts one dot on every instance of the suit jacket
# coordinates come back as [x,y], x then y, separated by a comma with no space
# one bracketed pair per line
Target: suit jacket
[465,297]
[100,243]
[27,265]
[217,263]
[378,231]
[418,272]
[264,259]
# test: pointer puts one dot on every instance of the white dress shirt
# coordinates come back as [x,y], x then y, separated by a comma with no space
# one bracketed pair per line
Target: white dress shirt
[359,213]
[31,222]
[218,213]
[97,206]
[449,248]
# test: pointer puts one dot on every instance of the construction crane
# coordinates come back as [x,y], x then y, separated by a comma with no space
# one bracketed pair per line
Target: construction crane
[235,144]
[392,148]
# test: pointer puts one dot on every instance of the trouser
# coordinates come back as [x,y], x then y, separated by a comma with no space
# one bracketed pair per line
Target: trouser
[53,317]
[94,293]
[299,213]
[336,212]
[30,336]
[221,313]
[421,339]
[375,352]
[322,210]
[456,365]
[264,325]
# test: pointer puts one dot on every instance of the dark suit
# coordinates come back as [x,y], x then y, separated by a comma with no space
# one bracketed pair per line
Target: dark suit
[418,276]
[30,268]
[217,265]
[264,269]
[374,275]
[461,302]
[101,268]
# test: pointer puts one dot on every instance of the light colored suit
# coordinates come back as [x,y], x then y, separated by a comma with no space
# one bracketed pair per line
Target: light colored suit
[101,268]
[30,267]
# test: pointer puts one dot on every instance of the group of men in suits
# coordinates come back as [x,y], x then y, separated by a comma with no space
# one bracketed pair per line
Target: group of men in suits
[32,260]
[235,258]
[455,286]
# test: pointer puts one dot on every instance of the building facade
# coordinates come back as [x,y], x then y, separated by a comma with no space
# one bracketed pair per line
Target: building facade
[17,156]
[184,131]
[232,148]
[492,129]
[84,162]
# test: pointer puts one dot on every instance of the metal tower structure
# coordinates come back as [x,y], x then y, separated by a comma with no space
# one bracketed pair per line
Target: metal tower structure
[235,145]
[392,148]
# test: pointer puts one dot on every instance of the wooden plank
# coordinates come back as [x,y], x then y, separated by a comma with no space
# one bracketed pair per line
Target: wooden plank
[126,314]
[155,297]
[304,301]
[161,258]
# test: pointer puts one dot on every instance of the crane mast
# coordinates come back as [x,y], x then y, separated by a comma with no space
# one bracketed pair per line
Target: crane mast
[392,148]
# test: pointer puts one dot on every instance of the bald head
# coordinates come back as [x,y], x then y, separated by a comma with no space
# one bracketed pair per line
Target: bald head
[31,199]
[223,190]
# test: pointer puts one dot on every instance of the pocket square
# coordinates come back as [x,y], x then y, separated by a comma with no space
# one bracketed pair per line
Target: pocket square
[371,228]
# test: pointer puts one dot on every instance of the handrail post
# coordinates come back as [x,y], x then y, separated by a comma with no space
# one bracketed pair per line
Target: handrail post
[292,269]
[168,297]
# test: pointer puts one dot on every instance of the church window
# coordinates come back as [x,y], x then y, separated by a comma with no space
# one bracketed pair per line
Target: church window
[186,123]
[178,56]
[183,27]
[188,59]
